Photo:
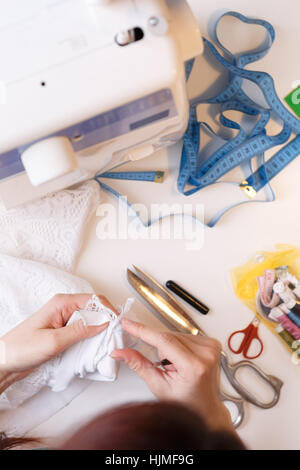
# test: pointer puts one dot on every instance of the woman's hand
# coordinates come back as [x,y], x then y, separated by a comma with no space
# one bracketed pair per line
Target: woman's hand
[45,335]
[193,378]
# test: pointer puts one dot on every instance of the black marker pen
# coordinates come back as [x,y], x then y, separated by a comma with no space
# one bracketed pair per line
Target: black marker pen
[187,297]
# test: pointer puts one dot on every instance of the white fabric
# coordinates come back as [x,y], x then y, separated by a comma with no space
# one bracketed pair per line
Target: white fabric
[91,358]
[25,286]
[51,231]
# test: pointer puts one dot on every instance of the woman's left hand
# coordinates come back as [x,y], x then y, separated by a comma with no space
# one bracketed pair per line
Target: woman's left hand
[45,335]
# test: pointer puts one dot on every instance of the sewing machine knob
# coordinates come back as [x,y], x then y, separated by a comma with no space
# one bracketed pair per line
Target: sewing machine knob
[124,38]
[49,159]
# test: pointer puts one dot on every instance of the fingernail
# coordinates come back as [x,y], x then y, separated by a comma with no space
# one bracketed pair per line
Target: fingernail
[114,355]
[104,325]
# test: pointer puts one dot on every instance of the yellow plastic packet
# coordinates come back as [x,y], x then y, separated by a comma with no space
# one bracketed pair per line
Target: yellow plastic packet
[246,287]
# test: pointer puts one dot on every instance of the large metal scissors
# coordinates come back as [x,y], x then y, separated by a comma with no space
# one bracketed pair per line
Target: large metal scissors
[169,310]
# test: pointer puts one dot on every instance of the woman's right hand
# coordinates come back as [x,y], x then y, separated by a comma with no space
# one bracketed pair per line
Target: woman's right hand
[193,378]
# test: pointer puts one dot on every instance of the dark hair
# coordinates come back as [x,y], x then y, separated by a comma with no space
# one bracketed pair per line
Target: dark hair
[151,426]
[7,443]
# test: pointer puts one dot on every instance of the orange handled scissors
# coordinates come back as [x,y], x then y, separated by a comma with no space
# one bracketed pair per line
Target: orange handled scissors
[250,336]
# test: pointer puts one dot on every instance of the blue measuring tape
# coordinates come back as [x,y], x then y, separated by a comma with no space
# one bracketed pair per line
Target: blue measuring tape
[242,149]
[150,176]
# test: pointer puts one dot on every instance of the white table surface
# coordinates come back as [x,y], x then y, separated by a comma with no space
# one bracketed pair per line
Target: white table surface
[206,272]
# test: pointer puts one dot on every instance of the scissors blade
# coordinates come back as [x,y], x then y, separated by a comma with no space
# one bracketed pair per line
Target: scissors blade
[155,285]
[174,315]
[162,302]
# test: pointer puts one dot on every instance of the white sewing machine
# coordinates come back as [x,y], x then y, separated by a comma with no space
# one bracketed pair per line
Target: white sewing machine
[87,83]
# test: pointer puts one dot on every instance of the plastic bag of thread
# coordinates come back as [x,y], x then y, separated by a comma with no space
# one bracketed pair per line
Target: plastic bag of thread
[269,284]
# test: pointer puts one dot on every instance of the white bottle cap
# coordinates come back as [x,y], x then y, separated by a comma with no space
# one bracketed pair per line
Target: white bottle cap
[279,287]
[275,314]
[49,159]
[290,303]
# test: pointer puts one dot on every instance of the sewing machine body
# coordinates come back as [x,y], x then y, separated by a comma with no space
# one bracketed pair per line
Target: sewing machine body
[106,75]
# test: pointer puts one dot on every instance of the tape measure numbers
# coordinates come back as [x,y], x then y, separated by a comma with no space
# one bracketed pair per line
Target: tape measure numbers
[244,147]
[150,176]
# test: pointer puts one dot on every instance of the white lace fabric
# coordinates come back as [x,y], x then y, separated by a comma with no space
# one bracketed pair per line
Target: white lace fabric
[39,244]
[49,230]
